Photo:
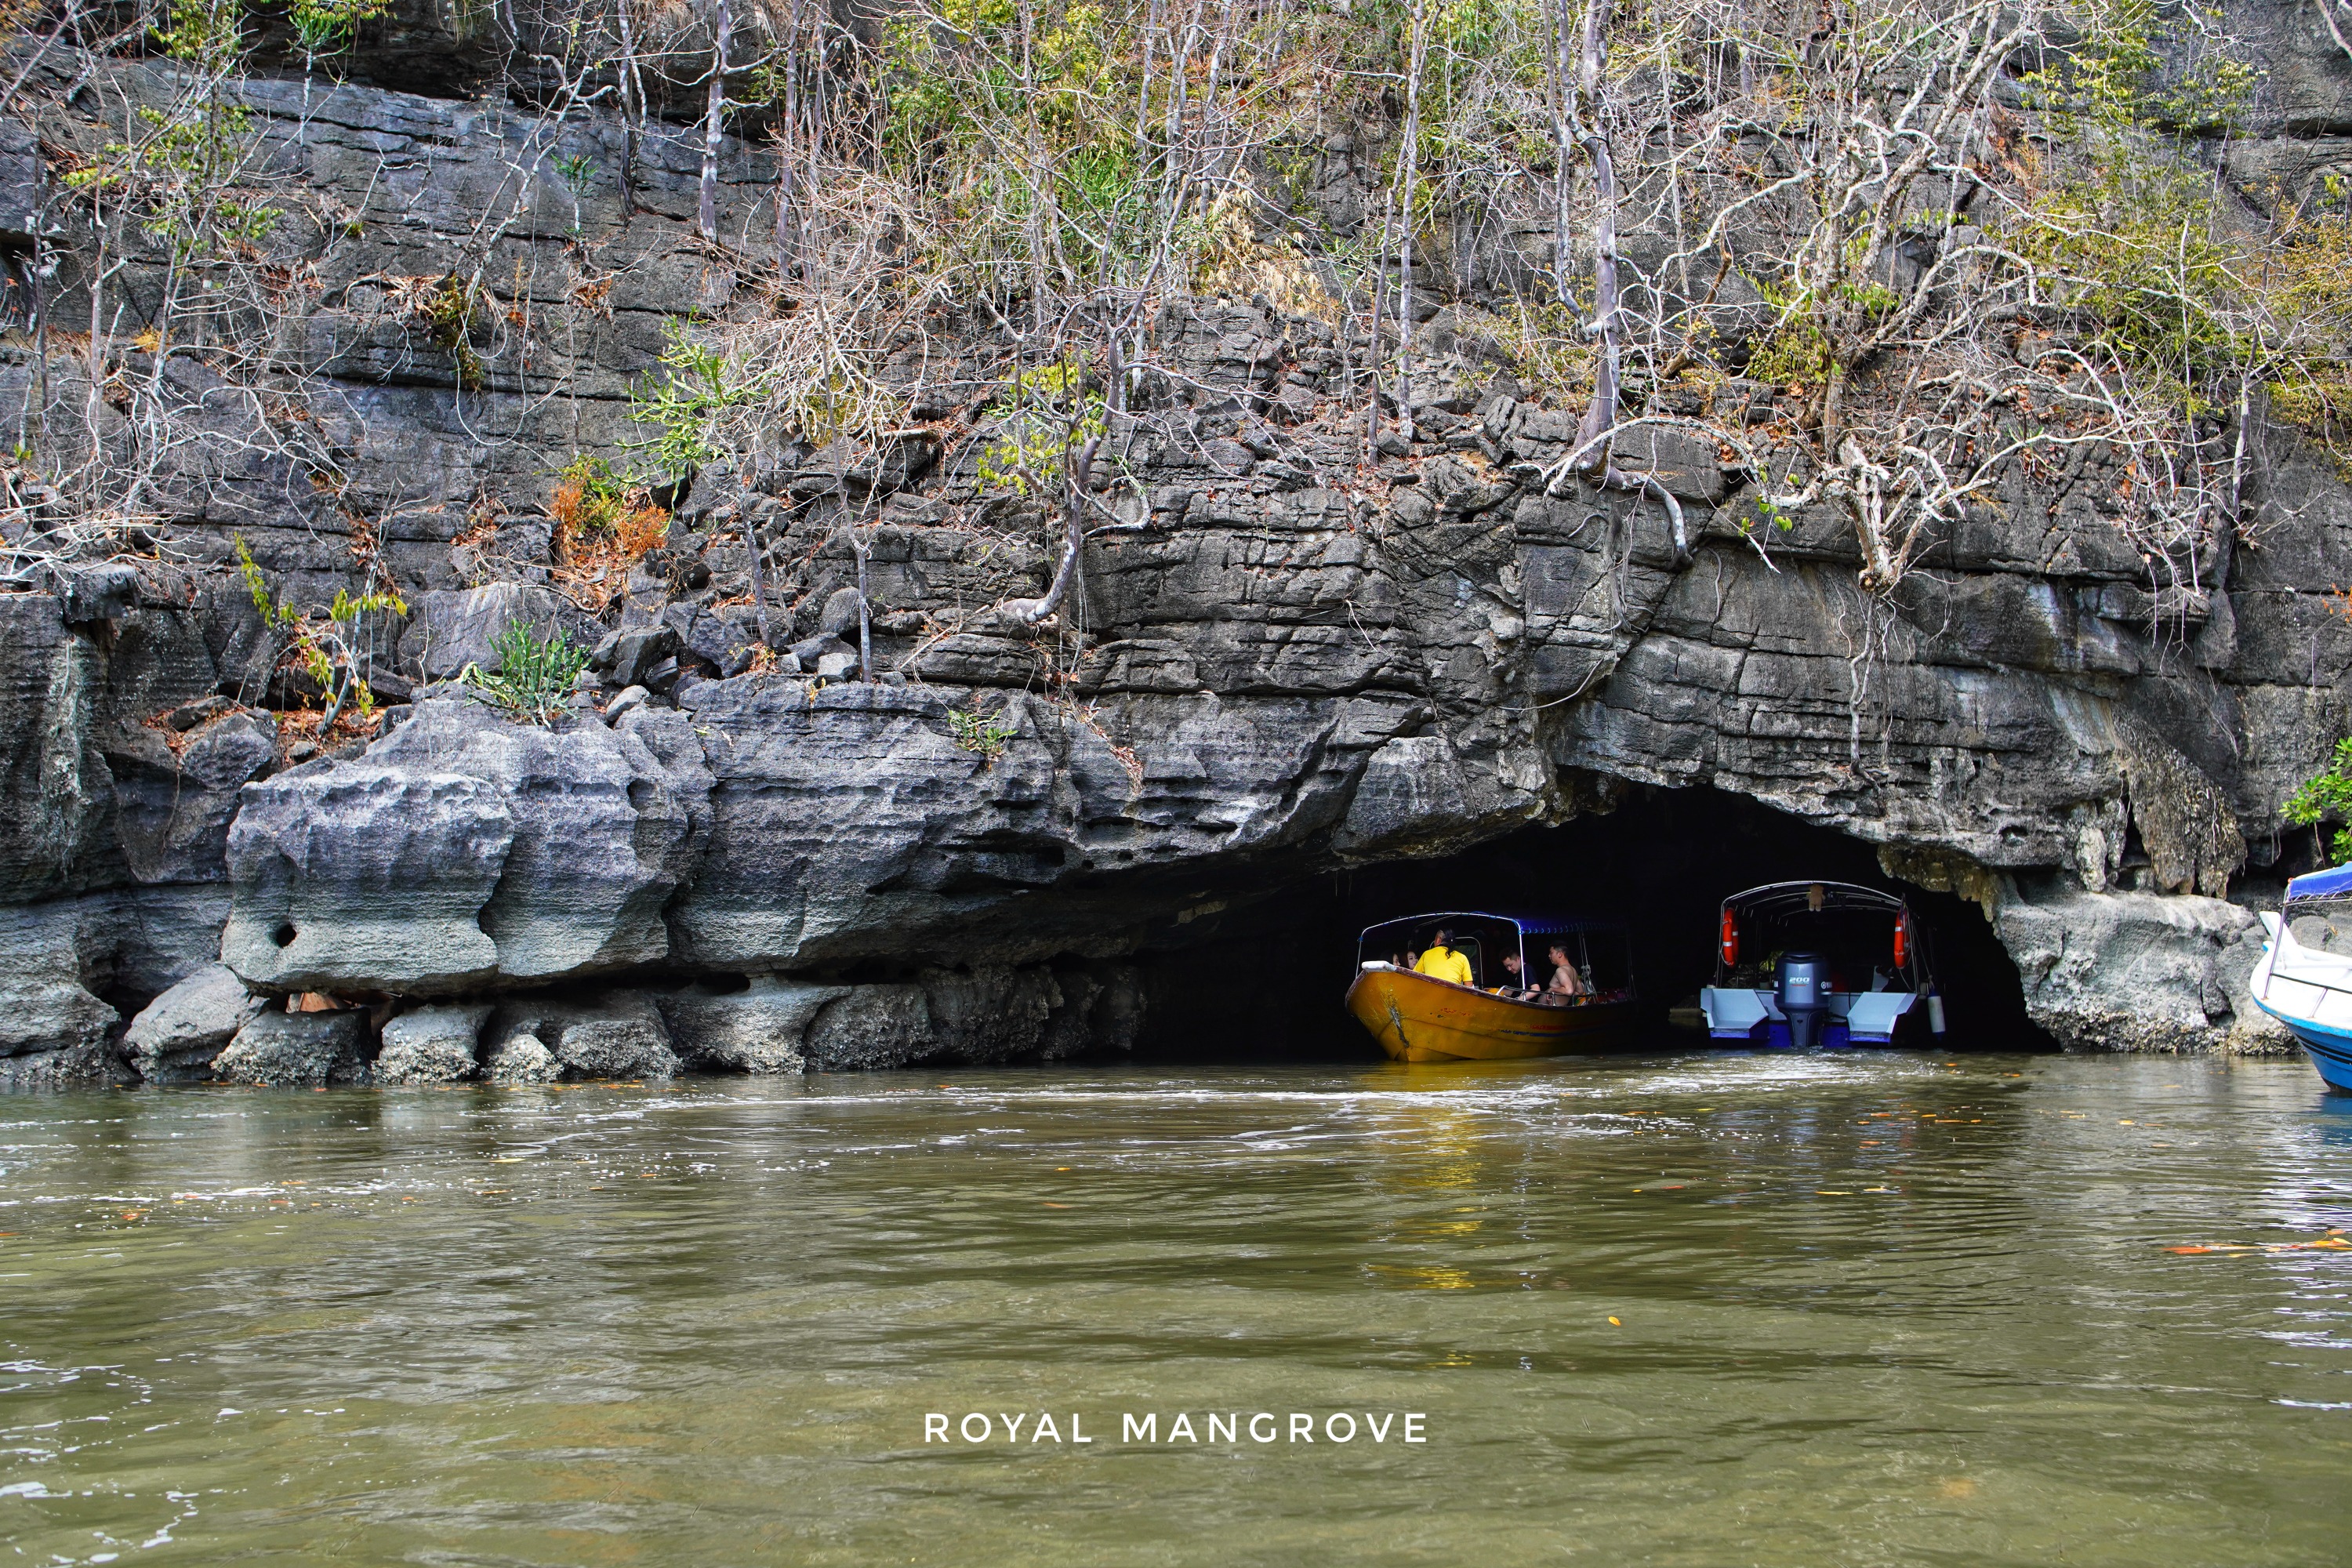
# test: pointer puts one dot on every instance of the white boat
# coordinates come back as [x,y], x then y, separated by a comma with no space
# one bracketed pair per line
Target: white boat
[2304,978]
[1806,964]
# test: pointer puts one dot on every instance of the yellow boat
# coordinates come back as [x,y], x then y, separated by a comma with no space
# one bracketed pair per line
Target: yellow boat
[1419,1018]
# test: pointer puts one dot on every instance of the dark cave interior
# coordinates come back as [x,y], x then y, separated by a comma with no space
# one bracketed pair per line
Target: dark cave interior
[1265,981]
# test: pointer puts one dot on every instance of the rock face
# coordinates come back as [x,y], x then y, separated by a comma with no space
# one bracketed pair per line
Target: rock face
[1283,661]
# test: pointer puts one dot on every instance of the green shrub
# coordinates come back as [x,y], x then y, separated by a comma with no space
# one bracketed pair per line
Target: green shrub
[535,673]
[2328,799]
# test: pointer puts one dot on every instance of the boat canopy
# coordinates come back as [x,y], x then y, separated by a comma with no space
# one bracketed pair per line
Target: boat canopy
[2331,883]
[1796,897]
[1840,919]
[1602,951]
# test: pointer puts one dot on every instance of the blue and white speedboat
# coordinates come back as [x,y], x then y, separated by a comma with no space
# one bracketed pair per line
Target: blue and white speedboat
[2304,978]
[1809,964]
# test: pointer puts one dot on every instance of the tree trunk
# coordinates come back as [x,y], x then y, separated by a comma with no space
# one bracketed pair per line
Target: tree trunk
[714,123]
[787,146]
[1600,415]
[1410,171]
[632,110]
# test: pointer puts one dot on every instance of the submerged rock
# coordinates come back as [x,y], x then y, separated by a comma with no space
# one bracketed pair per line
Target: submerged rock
[522,1059]
[297,1050]
[176,1037]
[76,1066]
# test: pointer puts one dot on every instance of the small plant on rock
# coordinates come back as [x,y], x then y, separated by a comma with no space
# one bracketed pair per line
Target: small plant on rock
[596,511]
[535,672]
[335,654]
[982,734]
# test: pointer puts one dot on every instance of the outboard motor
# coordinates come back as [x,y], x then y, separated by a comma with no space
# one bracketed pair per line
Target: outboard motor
[1803,992]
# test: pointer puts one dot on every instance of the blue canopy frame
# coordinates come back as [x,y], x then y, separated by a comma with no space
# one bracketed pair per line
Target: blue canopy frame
[2331,883]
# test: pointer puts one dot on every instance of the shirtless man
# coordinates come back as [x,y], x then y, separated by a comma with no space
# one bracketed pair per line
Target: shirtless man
[1566,985]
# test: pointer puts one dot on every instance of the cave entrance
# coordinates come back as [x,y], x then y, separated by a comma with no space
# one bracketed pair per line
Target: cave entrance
[1265,984]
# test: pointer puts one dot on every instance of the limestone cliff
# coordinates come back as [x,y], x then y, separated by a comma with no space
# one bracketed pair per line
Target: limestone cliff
[1282,655]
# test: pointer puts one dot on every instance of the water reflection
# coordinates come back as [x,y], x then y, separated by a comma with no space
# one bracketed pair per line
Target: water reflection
[1802,1309]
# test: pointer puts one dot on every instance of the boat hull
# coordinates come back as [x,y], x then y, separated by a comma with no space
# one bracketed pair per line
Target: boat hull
[1418,1019]
[2330,1053]
[2311,993]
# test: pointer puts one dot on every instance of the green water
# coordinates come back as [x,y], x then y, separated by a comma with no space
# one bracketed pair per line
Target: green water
[1868,1308]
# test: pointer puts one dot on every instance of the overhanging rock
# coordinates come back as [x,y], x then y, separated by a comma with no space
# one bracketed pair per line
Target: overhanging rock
[462,850]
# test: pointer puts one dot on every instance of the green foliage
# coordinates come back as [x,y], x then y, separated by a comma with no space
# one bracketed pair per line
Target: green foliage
[982,734]
[203,34]
[1796,353]
[320,650]
[700,388]
[274,612]
[2116,82]
[328,26]
[2328,799]
[1043,414]
[535,672]
[576,172]
[180,171]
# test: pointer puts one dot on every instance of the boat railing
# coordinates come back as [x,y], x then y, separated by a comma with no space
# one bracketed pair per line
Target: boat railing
[2290,959]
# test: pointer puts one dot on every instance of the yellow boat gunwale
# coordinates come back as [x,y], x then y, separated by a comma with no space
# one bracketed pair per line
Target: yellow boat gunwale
[1419,1018]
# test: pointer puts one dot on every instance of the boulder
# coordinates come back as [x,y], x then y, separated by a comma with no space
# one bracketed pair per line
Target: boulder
[366,875]
[2132,971]
[522,1059]
[839,616]
[297,1050]
[620,1035]
[89,594]
[873,1027]
[431,1045]
[175,1037]
[990,1012]
[636,654]
[725,642]
[756,1030]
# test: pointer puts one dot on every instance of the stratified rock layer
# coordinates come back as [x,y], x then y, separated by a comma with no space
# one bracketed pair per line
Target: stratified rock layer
[1286,659]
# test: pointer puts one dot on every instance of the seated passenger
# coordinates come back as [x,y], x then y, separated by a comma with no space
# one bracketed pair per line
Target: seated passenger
[1566,985]
[1515,985]
[1440,961]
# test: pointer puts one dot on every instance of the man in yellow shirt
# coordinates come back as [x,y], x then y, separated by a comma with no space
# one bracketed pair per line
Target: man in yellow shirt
[1441,961]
